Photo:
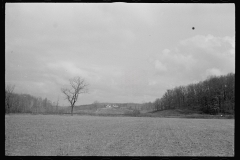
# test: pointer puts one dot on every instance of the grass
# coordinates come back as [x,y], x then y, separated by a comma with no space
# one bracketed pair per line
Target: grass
[65,135]
[184,113]
[171,113]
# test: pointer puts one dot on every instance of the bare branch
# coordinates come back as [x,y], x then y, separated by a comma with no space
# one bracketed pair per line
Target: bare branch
[10,88]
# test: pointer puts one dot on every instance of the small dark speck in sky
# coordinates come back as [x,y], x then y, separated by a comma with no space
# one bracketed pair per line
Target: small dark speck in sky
[193,28]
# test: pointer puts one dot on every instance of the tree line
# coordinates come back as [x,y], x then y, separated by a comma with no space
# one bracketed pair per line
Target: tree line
[25,103]
[214,95]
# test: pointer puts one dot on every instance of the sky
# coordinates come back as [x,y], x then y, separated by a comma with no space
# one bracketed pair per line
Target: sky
[125,52]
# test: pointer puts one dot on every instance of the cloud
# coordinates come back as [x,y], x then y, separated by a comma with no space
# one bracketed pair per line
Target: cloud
[195,58]
[142,13]
[173,61]
[67,67]
[212,71]
[210,43]
[211,52]
[160,67]
[152,82]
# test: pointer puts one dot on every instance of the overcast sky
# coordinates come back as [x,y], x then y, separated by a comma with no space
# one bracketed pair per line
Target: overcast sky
[126,52]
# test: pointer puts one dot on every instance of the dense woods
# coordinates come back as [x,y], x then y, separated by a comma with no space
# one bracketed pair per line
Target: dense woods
[214,95]
[25,103]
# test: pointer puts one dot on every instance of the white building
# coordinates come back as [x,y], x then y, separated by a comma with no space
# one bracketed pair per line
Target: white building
[115,106]
[108,106]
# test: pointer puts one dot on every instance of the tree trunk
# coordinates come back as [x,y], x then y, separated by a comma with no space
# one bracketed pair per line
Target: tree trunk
[72,110]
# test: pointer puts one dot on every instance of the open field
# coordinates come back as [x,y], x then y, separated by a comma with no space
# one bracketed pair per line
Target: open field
[117,136]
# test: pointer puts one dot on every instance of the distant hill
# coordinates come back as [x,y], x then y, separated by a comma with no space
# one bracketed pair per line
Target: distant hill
[145,107]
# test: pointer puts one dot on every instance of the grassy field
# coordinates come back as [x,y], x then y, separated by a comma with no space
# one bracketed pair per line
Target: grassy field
[64,135]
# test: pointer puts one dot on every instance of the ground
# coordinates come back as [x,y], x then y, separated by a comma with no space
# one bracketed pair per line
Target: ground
[56,135]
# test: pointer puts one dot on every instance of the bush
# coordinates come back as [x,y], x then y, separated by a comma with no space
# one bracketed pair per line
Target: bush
[136,112]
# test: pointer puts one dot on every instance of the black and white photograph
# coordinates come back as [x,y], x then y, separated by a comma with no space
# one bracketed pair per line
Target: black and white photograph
[120,79]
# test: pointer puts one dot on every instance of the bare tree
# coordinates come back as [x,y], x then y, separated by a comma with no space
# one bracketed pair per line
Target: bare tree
[8,97]
[77,86]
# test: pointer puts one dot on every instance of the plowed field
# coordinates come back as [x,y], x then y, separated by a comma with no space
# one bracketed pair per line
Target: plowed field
[56,135]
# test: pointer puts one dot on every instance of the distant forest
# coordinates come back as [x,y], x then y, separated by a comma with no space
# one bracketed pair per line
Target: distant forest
[212,96]
[25,103]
